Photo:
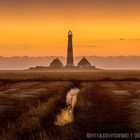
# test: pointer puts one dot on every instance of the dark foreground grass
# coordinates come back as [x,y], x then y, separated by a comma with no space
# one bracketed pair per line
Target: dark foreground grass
[33,121]
[38,115]
[98,110]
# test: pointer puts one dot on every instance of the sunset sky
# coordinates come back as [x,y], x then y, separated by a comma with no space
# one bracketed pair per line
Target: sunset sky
[39,28]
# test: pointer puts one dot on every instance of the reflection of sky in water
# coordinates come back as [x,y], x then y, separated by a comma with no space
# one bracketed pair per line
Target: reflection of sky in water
[70,94]
[66,115]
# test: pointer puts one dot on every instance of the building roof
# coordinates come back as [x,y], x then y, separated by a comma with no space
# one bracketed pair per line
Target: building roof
[84,61]
[56,61]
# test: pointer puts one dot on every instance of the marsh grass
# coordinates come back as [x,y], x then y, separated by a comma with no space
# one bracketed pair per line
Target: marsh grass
[32,120]
[97,109]
[62,75]
[40,112]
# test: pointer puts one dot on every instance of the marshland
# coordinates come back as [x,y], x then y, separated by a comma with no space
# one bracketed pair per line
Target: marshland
[31,103]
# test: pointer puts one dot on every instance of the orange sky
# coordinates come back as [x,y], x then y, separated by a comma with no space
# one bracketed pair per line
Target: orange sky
[39,28]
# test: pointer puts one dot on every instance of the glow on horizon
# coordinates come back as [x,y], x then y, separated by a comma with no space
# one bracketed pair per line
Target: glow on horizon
[42,31]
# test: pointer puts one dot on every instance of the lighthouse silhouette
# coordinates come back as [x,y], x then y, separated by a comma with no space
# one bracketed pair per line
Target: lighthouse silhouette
[70,62]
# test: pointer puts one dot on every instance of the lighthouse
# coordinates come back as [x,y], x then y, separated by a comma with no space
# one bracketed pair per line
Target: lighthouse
[70,62]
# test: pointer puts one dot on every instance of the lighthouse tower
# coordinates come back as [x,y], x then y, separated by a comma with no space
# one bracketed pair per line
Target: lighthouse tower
[70,62]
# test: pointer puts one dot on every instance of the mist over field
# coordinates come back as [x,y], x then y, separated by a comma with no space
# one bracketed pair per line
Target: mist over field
[111,62]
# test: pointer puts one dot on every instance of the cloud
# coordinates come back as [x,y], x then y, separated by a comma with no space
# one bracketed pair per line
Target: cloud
[129,39]
[121,39]
[114,62]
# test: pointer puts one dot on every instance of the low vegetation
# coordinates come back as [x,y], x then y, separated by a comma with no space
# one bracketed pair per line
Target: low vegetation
[108,101]
[99,109]
[65,75]
[38,105]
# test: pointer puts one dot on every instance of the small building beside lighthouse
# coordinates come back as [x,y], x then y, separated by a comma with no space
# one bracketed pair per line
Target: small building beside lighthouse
[84,63]
[56,63]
